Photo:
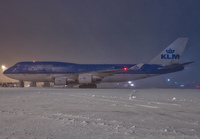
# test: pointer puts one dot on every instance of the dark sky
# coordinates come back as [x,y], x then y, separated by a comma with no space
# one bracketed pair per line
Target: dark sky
[98,31]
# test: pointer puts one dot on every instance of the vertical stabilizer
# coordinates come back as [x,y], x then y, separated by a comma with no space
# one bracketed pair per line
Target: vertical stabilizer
[172,54]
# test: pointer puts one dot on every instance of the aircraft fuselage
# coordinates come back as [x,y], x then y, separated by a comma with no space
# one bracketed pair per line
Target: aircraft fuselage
[47,71]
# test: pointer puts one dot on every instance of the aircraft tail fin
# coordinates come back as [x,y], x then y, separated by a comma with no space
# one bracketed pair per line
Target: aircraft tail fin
[171,54]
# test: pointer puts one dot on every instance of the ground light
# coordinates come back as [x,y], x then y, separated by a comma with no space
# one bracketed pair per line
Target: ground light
[3,68]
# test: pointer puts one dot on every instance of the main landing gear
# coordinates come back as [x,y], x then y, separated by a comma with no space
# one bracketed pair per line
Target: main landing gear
[33,84]
[46,84]
[88,86]
[21,83]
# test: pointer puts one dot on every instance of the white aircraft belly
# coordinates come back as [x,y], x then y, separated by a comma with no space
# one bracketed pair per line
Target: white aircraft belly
[31,77]
[50,77]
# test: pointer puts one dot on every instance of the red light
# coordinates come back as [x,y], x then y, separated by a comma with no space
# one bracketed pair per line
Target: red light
[33,61]
[125,68]
[197,86]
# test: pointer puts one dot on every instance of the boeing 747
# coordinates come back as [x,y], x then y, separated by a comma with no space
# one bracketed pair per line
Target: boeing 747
[88,75]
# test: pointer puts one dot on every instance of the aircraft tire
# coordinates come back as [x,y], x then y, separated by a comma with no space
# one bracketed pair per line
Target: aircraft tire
[33,84]
[88,86]
[21,83]
[46,84]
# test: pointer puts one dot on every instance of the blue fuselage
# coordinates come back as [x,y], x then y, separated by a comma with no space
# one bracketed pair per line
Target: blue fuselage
[71,68]
[25,70]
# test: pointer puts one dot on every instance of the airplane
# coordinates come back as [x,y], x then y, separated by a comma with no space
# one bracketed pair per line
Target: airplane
[88,75]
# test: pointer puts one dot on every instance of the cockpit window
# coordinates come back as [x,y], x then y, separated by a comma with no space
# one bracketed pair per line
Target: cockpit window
[17,64]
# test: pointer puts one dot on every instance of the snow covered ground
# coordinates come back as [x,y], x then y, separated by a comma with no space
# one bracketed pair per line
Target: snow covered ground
[55,113]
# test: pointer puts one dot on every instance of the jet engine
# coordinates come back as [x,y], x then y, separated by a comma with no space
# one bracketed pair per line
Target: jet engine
[63,81]
[88,78]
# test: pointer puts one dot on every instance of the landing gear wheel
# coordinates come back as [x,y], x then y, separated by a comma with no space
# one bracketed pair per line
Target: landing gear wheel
[88,86]
[21,83]
[33,84]
[46,84]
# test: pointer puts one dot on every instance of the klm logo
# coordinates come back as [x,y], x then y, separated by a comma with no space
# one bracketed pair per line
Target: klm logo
[170,55]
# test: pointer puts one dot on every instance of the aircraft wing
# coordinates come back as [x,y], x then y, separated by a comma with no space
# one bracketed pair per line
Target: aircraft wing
[104,73]
[96,75]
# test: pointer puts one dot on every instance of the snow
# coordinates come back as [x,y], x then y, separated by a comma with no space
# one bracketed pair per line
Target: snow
[56,113]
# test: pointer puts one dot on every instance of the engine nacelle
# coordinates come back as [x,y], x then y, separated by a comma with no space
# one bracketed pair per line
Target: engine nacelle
[63,81]
[88,78]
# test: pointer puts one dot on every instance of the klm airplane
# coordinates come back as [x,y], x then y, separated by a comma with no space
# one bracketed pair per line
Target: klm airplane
[88,75]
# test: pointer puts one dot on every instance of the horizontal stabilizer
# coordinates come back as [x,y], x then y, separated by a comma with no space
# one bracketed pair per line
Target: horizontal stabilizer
[174,66]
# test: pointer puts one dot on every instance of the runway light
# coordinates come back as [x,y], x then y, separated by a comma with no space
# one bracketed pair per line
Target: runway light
[132,85]
[168,80]
[34,61]
[125,68]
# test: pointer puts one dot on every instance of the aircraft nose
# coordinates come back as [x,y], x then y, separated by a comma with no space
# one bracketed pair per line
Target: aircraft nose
[6,71]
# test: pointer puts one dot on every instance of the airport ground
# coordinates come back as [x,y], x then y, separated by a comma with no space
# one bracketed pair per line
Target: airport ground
[60,113]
